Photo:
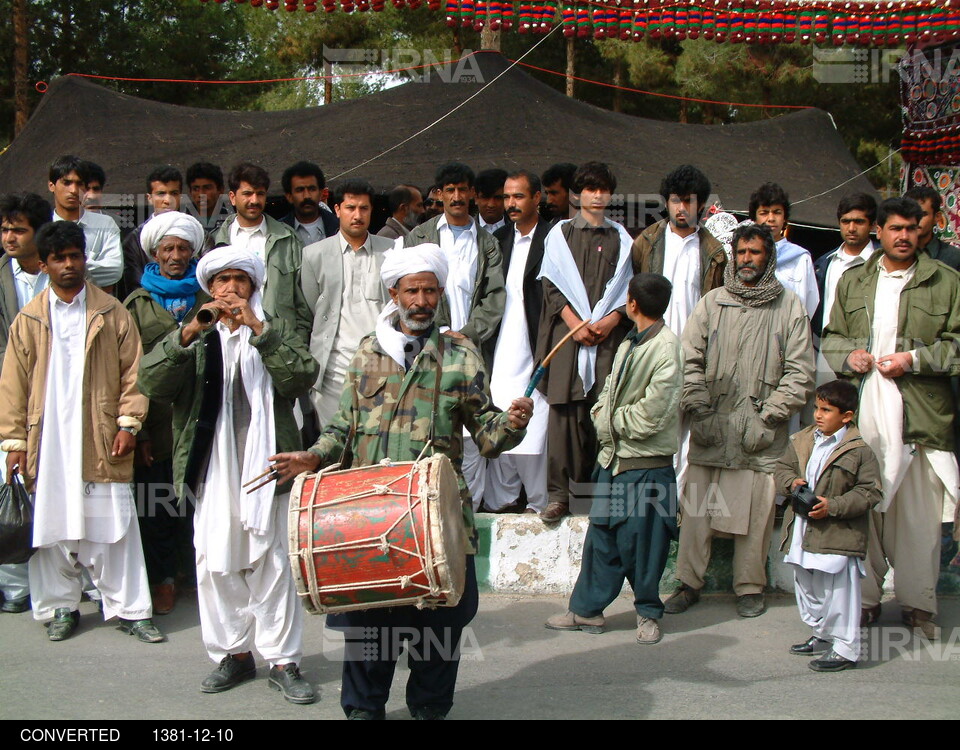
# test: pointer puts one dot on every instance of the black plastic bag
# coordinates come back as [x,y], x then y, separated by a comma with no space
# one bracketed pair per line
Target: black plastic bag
[16,523]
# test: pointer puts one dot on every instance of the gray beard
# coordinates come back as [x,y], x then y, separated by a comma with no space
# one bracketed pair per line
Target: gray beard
[412,324]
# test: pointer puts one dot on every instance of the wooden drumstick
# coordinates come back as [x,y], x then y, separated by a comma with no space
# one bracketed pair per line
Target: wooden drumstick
[542,369]
[272,478]
[260,476]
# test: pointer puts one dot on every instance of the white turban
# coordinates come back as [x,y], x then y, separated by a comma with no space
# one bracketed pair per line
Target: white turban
[171,224]
[402,261]
[222,258]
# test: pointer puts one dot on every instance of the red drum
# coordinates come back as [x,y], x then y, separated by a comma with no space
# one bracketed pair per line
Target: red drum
[378,536]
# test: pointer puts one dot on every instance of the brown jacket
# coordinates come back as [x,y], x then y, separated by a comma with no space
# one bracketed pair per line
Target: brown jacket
[648,250]
[850,481]
[110,396]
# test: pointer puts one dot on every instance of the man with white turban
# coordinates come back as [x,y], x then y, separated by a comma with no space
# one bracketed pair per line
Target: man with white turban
[164,188]
[232,374]
[170,295]
[433,385]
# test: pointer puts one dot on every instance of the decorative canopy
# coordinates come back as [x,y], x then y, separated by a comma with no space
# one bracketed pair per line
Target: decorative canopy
[870,23]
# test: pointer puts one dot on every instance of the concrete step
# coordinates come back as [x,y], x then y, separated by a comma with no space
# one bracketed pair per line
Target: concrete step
[519,554]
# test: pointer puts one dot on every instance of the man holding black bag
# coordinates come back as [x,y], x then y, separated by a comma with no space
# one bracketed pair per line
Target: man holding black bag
[59,389]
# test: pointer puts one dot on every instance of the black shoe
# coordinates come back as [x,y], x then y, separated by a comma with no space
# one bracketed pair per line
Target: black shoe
[231,672]
[15,606]
[286,678]
[683,598]
[360,714]
[831,662]
[144,630]
[428,713]
[63,624]
[813,646]
[751,605]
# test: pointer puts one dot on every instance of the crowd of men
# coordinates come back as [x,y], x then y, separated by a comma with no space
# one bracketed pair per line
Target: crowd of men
[160,368]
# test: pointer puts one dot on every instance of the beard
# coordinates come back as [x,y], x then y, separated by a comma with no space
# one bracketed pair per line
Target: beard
[411,220]
[406,317]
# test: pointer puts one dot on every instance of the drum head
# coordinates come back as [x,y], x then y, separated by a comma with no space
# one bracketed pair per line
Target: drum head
[445,512]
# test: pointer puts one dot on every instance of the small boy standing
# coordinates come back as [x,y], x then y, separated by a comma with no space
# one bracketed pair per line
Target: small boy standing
[827,547]
[633,515]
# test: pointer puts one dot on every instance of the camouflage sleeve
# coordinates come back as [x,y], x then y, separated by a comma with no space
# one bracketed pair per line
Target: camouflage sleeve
[489,427]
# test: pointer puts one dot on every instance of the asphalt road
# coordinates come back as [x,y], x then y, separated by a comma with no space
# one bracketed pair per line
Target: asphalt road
[710,664]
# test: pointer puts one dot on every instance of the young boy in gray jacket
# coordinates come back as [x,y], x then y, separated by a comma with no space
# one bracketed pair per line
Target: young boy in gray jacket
[827,548]
[634,512]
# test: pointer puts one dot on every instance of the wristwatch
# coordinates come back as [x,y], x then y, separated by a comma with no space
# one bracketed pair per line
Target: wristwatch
[132,430]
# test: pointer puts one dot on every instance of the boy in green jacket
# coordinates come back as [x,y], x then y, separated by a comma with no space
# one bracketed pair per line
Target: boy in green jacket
[827,547]
[634,512]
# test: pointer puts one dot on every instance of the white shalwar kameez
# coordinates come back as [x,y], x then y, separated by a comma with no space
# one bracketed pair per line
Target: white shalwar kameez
[920,484]
[245,589]
[526,465]
[79,524]
[681,265]
[827,585]
[460,248]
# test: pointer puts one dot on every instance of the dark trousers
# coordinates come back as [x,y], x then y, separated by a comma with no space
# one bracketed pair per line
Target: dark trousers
[374,638]
[633,519]
[571,454]
[159,515]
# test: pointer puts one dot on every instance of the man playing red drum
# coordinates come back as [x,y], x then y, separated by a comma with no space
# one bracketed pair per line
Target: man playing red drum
[411,391]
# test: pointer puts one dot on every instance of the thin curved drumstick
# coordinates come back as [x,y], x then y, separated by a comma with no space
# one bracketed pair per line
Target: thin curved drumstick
[542,369]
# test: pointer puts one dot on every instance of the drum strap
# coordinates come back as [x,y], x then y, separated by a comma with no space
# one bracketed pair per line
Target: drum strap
[436,391]
[346,458]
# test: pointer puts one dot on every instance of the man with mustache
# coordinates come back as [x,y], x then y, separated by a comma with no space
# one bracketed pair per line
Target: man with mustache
[474,295]
[69,414]
[275,243]
[164,189]
[430,386]
[748,368]
[895,328]
[341,283]
[169,296]
[305,189]
[511,349]
[406,209]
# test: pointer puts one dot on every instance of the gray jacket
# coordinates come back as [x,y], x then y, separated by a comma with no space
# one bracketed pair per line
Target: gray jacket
[321,279]
[747,370]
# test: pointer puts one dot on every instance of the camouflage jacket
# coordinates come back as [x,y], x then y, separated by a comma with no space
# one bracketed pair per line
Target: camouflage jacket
[393,411]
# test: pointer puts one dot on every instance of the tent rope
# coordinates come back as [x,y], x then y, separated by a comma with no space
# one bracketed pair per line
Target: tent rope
[444,117]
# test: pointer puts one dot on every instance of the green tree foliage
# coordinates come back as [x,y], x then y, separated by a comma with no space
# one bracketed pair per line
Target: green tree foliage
[230,41]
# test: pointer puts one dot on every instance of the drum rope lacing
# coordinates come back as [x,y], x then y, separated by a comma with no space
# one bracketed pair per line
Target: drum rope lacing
[425,555]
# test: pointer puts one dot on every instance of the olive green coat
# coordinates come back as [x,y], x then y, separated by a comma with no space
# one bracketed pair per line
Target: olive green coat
[929,323]
[175,375]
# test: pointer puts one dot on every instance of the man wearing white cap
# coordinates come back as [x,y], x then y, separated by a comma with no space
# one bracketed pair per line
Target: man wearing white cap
[232,375]
[169,296]
[404,353]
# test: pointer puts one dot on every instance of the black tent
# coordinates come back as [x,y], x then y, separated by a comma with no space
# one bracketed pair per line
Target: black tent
[515,122]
